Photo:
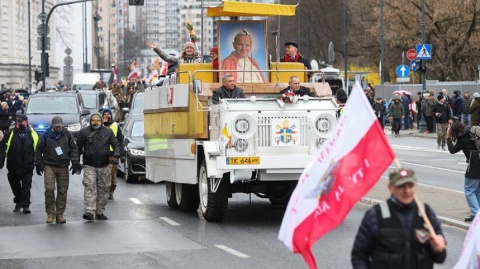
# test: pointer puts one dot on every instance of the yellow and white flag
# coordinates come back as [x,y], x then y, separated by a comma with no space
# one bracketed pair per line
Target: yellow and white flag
[224,137]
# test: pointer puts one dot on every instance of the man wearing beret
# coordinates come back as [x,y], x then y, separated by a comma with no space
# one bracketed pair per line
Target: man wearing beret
[18,146]
[393,235]
[293,55]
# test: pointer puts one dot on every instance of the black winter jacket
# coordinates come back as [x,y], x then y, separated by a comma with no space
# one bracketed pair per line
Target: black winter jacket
[20,156]
[371,236]
[444,110]
[5,118]
[465,144]
[95,146]
[46,153]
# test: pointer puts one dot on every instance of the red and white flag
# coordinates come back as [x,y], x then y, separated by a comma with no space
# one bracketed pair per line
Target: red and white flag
[470,257]
[347,166]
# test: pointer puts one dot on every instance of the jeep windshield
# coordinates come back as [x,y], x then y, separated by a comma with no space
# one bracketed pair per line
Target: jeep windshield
[52,105]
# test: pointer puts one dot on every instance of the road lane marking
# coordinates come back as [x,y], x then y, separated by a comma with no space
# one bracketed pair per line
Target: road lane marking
[432,167]
[232,251]
[436,187]
[170,221]
[411,148]
[135,201]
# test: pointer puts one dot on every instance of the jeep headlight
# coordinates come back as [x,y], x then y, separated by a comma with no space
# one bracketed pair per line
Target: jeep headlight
[244,126]
[323,124]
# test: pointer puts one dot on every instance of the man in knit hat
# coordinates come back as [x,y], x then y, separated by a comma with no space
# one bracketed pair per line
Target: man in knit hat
[392,234]
[95,142]
[54,153]
[108,122]
[293,55]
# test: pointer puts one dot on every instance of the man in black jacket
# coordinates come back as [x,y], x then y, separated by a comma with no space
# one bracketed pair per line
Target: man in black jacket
[55,150]
[443,116]
[392,233]
[94,143]
[228,90]
[296,88]
[18,146]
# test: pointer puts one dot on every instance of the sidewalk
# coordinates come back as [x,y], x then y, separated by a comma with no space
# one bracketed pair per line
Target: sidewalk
[450,206]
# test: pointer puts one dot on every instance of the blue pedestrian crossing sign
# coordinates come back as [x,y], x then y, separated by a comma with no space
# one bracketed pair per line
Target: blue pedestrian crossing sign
[403,71]
[424,52]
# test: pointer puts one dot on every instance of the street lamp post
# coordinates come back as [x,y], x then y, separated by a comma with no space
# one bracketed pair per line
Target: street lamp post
[423,124]
[382,44]
[345,43]
[29,52]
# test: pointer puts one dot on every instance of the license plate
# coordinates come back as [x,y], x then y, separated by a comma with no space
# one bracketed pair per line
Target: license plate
[243,160]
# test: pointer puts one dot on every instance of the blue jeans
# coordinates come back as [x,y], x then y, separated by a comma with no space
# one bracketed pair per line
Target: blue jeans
[472,193]
[466,118]
[406,120]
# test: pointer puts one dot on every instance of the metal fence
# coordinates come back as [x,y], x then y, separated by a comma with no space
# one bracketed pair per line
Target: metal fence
[386,91]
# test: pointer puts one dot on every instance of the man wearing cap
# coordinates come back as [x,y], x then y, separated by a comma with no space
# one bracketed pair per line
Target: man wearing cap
[393,235]
[293,55]
[94,143]
[380,111]
[55,150]
[475,109]
[108,122]
[18,146]
[247,67]
[443,116]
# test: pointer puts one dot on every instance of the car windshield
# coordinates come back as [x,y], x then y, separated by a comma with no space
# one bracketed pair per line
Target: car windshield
[89,101]
[139,101]
[82,86]
[137,130]
[52,105]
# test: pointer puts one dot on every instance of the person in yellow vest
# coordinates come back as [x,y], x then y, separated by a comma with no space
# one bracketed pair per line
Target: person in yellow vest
[18,146]
[108,122]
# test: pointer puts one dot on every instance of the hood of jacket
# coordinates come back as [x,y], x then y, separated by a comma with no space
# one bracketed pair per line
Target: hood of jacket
[99,116]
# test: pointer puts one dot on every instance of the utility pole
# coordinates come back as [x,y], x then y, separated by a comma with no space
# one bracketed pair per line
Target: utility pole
[382,44]
[423,124]
[29,52]
[345,47]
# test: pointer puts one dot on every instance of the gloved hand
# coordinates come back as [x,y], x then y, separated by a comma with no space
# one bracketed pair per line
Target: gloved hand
[39,169]
[114,160]
[76,168]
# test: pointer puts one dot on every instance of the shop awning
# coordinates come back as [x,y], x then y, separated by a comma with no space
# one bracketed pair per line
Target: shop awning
[249,9]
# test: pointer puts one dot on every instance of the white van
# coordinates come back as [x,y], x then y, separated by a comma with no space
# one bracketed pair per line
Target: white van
[85,81]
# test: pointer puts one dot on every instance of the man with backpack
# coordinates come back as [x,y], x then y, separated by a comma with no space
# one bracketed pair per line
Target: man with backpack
[54,153]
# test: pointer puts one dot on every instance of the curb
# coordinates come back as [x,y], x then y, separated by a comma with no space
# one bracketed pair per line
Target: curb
[448,221]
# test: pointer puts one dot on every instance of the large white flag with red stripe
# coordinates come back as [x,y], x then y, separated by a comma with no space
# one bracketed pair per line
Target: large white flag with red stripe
[347,166]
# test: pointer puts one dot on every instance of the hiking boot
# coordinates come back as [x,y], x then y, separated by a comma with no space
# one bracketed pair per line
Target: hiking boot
[110,197]
[88,216]
[61,219]
[49,218]
[101,217]
[469,218]
[26,210]
[17,208]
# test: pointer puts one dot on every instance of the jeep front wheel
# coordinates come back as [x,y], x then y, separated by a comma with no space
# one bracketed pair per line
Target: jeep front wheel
[213,205]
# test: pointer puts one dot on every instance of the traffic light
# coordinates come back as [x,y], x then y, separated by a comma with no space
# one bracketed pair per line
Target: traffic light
[135,2]
[421,66]
[38,76]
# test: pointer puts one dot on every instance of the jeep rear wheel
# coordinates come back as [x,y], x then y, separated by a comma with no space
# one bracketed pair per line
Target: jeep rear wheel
[171,197]
[187,197]
[213,205]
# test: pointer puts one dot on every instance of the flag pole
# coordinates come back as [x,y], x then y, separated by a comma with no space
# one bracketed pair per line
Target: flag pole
[419,205]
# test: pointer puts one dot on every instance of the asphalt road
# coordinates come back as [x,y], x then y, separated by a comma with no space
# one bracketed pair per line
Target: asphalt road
[143,232]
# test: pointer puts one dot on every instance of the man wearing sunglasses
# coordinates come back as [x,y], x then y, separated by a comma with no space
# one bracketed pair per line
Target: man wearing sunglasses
[94,143]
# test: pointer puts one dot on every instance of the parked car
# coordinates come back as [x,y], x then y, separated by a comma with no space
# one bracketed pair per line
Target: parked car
[43,106]
[95,101]
[132,165]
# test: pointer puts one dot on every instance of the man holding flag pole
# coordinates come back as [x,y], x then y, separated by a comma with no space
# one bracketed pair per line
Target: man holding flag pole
[346,167]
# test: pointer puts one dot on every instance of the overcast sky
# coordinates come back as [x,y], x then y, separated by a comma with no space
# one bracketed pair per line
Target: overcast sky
[75,28]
